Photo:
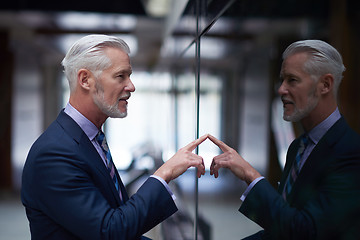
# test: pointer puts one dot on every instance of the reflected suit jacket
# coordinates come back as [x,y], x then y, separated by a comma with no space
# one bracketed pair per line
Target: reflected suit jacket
[324,202]
[68,192]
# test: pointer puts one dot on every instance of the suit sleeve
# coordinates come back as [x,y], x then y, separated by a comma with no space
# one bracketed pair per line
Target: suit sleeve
[330,209]
[265,206]
[60,184]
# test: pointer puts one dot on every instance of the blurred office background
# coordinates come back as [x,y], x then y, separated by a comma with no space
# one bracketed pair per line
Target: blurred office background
[199,66]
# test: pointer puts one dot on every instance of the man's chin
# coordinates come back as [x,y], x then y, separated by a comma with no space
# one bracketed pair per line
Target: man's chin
[287,116]
[115,113]
[118,115]
[292,118]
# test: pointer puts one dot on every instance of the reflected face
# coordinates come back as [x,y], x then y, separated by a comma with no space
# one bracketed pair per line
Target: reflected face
[113,87]
[298,90]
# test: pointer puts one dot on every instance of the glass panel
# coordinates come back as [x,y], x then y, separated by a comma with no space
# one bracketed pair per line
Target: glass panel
[199,90]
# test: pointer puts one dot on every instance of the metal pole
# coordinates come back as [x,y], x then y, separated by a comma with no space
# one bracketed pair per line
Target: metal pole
[197,105]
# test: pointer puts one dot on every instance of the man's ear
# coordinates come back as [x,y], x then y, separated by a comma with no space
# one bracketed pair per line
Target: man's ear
[326,83]
[83,78]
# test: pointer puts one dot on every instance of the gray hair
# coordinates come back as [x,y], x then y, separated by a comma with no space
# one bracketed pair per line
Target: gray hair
[323,59]
[88,53]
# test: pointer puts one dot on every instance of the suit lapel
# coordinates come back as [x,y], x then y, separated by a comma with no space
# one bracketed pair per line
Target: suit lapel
[91,155]
[319,158]
[95,159]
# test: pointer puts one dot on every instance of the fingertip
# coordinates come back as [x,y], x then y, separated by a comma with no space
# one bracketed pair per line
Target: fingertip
[203,137]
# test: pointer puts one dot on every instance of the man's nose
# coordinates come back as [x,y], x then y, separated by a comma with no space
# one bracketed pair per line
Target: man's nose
[130,87]
[282,89]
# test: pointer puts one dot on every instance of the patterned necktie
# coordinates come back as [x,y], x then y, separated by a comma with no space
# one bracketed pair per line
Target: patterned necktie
[100,137]
[294,171]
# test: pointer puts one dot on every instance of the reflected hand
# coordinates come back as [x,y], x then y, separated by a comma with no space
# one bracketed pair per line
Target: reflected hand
[232,160]
[181,161]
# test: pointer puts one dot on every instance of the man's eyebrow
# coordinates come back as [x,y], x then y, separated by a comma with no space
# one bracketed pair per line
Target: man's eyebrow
[122,71]
[287,75]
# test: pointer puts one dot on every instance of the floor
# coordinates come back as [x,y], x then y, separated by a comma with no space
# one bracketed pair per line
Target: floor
[13,221]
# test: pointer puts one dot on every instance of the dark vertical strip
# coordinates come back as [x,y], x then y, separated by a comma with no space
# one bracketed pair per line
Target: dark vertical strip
[6,69]
[176,108]
[197,105]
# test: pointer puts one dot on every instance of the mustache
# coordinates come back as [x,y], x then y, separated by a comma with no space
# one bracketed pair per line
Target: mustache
[284,99]
[125,96]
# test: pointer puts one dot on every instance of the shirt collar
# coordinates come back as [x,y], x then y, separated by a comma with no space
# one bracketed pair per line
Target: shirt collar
[85,124]
[319,131]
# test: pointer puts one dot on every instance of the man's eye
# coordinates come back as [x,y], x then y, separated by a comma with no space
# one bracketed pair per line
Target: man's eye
[292,80]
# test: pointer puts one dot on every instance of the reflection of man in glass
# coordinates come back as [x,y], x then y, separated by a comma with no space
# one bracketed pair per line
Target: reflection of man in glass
[70,187]
[319,192]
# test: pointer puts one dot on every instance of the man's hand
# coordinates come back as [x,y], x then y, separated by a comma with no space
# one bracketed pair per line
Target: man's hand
[232,160]
[181,161]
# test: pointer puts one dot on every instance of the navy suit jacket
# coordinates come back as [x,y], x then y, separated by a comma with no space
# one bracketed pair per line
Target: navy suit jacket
[325,199]
[68,193]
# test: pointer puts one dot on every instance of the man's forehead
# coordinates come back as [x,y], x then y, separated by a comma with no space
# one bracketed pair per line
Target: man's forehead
[124,69]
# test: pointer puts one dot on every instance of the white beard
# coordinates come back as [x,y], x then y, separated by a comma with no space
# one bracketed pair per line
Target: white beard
[110,110]
[299,114]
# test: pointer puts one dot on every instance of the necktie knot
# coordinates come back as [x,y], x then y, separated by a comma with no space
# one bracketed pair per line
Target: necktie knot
[100,138]
[304,141]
